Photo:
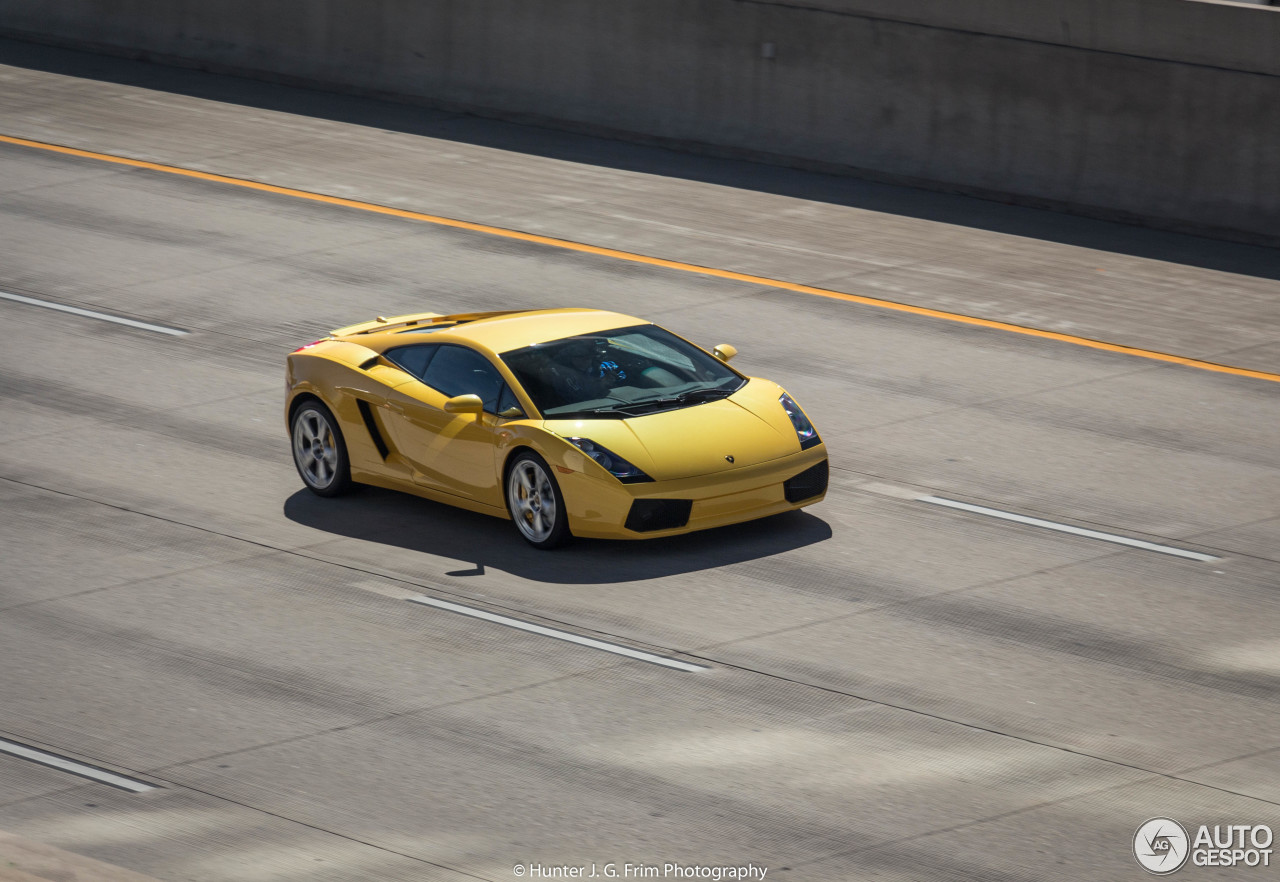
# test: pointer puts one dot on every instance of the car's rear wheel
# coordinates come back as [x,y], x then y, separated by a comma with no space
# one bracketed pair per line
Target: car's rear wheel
[535,502]
[319,451]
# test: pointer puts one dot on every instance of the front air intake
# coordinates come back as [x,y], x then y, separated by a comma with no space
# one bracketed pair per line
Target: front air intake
[808,484]
[648,515]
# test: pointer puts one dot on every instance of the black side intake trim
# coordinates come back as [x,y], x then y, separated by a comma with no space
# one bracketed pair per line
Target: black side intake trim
[809,483]
[366,414]
[647,515]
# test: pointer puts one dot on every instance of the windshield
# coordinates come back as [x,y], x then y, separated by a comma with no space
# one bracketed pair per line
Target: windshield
[619,373]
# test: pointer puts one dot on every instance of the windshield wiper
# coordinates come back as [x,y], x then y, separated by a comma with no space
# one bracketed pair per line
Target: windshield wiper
[701,395]
[606,412]
[693,396]
[646,406]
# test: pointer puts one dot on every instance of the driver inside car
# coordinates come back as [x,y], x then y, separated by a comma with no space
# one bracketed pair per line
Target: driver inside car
[583,372]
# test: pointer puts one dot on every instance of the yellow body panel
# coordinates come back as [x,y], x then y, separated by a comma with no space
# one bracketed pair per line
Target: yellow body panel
[697,440]
[729,457]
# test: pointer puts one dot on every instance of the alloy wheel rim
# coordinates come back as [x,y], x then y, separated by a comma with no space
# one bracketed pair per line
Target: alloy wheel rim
[315,449]
[533,500]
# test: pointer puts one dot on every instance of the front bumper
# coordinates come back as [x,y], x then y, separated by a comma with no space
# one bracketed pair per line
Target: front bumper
[668,508]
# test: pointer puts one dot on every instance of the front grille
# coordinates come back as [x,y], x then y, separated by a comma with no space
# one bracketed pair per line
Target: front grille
[647,515]
[808,484]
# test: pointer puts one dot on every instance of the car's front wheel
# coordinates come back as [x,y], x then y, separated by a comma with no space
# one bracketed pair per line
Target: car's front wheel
[319,451]
[535,502]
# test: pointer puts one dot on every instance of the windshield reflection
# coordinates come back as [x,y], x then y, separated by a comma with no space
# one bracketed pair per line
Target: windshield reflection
[620,373]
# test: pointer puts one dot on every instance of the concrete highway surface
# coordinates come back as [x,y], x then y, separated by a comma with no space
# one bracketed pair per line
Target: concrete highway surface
[891,685]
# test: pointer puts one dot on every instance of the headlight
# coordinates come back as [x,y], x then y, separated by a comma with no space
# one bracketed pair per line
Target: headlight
[610,461]
[805,431]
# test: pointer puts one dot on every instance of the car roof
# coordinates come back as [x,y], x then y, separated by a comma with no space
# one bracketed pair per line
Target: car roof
[501,332]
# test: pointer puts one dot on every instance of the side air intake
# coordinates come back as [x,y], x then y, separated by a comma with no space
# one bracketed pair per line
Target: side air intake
[366,414]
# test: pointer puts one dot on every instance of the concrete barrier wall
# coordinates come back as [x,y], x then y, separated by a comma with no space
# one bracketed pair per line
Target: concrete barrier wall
[1164,111]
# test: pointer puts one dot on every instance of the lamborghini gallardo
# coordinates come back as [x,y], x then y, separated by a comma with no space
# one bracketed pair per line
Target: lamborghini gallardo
[569,422]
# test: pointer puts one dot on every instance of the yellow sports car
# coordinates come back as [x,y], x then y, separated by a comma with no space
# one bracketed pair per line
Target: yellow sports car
[570,422]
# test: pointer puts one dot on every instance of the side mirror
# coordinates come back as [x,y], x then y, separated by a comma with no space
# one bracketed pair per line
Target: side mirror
[724,352]
[464,404]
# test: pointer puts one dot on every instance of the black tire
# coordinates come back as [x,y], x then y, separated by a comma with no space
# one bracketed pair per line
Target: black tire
[319,450]
[535,502]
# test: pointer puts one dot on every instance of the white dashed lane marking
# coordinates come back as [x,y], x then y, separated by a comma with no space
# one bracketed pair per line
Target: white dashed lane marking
[1067,528]
[557,634]
[93,314]
[53,761]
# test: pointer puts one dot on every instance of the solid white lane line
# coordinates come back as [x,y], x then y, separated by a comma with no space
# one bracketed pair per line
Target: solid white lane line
[1067,528]
[89,313]
[75,768]
[559,635]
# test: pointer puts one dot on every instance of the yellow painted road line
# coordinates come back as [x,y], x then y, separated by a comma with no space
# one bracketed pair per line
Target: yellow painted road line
[652,261]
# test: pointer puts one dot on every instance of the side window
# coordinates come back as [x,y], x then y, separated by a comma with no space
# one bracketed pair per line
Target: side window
[507,399]
[413,359]
[456,370]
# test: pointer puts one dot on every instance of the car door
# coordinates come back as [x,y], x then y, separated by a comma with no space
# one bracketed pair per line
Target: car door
[454,453]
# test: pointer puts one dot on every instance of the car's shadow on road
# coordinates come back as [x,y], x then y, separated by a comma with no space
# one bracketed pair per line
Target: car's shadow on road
[402,521]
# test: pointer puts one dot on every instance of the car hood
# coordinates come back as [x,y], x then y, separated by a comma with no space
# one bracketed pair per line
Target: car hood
[750,427]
